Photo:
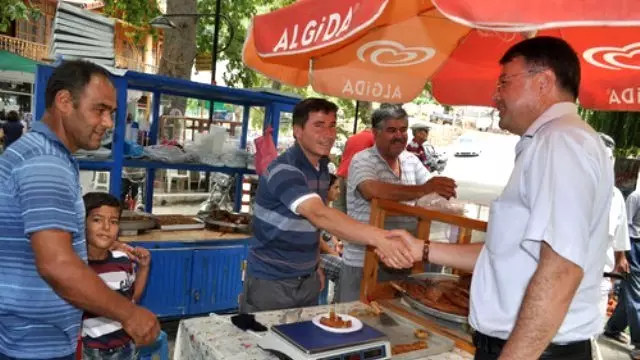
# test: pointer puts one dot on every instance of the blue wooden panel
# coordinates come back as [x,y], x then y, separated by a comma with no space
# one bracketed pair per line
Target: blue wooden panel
[167,292]
[95,165]
[191,245]
[217,279]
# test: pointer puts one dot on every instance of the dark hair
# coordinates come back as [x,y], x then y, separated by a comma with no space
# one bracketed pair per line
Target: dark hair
[72,76]
[553,53]
[307,106]
[387,112]
[94,200]
[332,180]
[13,116]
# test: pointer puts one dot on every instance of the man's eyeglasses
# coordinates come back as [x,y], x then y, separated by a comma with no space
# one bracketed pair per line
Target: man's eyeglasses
[504,80]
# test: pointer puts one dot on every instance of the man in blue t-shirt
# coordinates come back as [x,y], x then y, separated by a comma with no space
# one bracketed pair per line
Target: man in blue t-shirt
[290,209]
[45,282]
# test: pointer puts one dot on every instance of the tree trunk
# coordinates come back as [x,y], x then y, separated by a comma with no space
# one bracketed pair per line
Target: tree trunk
[364,113]
[275,85]
[179,51]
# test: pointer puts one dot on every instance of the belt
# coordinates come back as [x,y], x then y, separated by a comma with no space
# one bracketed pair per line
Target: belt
[493,345]
[634,238]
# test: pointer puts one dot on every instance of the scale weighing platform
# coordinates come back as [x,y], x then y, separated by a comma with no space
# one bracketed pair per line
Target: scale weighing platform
[305,341]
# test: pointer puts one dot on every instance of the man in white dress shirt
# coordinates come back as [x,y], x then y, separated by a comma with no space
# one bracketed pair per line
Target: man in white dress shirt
[536,280]
[618,243]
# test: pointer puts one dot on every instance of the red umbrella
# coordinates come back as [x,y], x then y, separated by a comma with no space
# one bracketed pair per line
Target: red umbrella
[386,50]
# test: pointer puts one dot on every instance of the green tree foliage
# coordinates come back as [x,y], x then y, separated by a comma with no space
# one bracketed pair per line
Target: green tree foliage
[135,12]
[623,127]
[11,10]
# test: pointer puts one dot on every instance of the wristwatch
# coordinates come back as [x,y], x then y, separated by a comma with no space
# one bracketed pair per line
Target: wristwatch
[425,251]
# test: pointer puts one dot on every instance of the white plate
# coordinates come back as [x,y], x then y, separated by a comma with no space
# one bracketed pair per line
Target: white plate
[356,324]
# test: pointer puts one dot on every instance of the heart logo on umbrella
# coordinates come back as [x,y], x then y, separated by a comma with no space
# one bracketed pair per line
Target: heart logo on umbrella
[389,53]
[614,58]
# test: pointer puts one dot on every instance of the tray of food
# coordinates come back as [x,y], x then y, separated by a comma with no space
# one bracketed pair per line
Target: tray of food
[179,222]
[227,227]
[134,221]
[409,340]
[440,295]
[228,221]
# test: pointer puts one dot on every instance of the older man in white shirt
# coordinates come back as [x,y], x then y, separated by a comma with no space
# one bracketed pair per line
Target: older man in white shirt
[386,171]
[536,281]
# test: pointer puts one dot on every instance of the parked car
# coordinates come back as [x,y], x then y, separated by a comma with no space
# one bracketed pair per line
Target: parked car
[467,146]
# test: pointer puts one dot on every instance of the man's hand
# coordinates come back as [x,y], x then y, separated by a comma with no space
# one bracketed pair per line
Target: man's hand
[339,248]
[443,186]
[142,326]
[393,249]
[143,255]
[413,244]
[322,278]
[622,265]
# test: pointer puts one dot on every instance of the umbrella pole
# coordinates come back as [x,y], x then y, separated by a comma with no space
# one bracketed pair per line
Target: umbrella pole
[355,120]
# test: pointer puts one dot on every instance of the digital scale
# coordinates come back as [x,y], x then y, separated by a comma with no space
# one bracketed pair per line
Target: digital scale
[305,341]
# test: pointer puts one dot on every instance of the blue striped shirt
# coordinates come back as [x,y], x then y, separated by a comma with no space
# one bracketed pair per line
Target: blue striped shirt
[285,244]
[39,190]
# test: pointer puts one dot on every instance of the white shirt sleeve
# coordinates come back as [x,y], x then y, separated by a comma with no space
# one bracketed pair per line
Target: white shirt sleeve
[632,206]
[561,187]
[620,234]
[294,205]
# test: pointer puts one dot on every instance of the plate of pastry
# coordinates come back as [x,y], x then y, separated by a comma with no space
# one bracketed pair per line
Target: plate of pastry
[337,323]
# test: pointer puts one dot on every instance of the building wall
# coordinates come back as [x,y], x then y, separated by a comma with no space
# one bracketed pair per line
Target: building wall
[129,54]
[38,31]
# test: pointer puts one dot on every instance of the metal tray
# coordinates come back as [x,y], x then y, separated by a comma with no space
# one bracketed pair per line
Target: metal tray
[128,227]
[403,333]
[173,227]
[218,225]
[431,311]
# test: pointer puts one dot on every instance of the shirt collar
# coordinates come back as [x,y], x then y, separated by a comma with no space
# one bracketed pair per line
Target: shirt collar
[401,157]
[323,163]
[553,112]
[45,130]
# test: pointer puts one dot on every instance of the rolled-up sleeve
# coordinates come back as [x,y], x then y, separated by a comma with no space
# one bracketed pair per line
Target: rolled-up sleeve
[47,194]
[562,181]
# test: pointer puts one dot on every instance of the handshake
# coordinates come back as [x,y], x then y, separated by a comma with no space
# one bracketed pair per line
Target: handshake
[398,249]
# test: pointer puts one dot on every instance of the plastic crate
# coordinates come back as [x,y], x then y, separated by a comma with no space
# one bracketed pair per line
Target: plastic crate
[158,351]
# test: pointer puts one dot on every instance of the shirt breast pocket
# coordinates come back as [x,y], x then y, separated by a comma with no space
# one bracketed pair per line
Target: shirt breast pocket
[505,229]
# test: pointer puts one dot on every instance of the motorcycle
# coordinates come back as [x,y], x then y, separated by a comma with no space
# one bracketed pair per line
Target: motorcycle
[221,194]
[436,161]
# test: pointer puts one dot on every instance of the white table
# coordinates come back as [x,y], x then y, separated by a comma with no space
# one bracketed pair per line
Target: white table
[216,338]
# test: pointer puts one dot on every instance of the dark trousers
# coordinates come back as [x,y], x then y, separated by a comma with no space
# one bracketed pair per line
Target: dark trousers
[627,312]
[264,295]
[489,348]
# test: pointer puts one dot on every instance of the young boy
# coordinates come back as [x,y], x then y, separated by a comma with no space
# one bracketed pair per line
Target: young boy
[103,338]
